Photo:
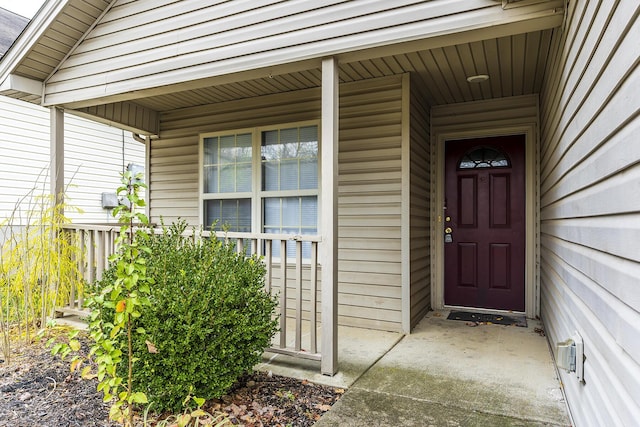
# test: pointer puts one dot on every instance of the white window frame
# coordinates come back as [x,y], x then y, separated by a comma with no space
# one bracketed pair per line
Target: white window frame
[256,195]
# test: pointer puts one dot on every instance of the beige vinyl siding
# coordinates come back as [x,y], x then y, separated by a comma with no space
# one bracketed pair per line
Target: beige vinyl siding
[590,206]
[478,116]
[420,205]
[369,204]
[24,153]
[369,184]
[219,38]
[93,159]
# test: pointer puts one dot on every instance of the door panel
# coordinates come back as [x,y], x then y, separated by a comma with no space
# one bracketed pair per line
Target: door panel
[485,223]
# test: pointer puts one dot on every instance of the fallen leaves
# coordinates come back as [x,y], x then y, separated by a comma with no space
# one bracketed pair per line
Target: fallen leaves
[151,348]
[262,400]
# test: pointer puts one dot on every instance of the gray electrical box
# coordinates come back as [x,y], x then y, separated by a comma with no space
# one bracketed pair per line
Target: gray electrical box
[109,201]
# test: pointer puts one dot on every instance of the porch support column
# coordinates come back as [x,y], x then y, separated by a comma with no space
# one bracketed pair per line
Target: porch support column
[56,168]
[329,216]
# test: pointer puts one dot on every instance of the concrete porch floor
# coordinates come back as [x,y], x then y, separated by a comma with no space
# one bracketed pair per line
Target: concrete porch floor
[445,373]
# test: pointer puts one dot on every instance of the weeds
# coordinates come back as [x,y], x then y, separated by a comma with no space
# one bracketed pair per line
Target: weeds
[37,266]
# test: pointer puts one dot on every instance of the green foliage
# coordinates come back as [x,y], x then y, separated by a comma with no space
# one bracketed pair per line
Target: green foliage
[116,309]
[208,322]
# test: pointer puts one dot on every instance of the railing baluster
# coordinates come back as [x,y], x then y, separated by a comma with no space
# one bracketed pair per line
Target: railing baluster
[73,240]
[96,243]
[298,344]
[82,263]
[283,293]
[268,261]
[100,254]
[91,256]
[313,287]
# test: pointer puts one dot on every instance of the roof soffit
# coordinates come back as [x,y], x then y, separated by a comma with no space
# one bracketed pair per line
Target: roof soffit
[49,38]
[105,87]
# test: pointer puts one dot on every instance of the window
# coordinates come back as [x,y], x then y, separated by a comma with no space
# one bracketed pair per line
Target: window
[484,157]
[262,181]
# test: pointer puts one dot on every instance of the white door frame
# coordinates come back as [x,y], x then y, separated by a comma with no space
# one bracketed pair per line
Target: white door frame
[532,288]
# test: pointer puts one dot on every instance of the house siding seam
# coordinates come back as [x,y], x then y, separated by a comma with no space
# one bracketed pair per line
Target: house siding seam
[369,199]
[93,159]
[590,206]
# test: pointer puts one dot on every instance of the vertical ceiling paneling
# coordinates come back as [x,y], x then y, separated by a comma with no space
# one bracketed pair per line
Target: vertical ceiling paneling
[515,65]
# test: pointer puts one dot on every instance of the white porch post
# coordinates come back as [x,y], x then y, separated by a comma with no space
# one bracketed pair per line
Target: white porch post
[329,216]
[56,168]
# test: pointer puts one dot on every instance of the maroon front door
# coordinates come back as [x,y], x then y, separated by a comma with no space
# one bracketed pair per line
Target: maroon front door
[485,223]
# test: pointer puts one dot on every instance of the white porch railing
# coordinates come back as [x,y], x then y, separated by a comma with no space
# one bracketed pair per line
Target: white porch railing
[295,280]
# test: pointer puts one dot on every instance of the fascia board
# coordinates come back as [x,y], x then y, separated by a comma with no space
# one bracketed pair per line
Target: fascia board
[29,37]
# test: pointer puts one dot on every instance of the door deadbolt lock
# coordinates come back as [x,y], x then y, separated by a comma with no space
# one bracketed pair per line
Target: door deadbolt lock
[448,230]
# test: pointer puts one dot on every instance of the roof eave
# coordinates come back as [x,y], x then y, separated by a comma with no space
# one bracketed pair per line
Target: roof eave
[29,37]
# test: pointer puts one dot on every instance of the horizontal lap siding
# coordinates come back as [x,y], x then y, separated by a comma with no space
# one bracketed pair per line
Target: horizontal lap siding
[369,182]
[191,40]
[24,154]
[93,159]
[93,162]
[369,204]
[420,205]
[590,206]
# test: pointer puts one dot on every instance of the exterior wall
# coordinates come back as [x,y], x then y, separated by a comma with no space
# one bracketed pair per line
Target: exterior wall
[370,203]
[369,187]
[93,159]
[220,38]
[590,206]
[511,115]
[420,204]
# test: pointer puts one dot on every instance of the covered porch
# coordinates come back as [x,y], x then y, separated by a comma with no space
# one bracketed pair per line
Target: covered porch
[383,110]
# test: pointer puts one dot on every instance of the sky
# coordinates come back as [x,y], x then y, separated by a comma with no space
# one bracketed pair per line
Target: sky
[26,8]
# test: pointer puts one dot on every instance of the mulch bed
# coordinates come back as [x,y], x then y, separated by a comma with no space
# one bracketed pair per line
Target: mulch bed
[38,389]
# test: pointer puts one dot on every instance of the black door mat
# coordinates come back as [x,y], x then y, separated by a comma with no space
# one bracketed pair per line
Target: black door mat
[498,319]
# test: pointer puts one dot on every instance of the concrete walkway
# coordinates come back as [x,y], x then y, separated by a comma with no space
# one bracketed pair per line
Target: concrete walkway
[445,373]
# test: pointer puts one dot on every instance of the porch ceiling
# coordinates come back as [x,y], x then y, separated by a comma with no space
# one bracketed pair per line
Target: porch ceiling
[515,66]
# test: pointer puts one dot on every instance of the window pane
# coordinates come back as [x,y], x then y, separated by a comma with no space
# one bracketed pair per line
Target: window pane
[270,176]
[291,213]
[309,174]
[483,157]
[211,179]
[309,215]
[290,159]
[227,179]
[211,150]
[244,142]
[227,163]
[272,215]
[233,214]
[289,175]
[243,177]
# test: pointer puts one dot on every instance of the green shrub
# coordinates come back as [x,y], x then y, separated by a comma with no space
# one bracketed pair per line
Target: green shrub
[208,322]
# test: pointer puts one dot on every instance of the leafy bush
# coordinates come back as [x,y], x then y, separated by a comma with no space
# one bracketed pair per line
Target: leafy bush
[208,322]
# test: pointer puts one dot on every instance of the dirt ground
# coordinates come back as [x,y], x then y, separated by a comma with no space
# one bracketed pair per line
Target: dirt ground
[37,389]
